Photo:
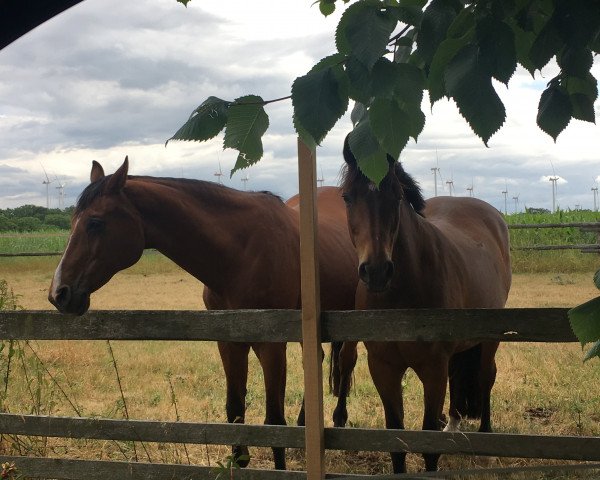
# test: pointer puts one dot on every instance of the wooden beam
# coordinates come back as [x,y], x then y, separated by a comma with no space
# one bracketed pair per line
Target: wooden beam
[311,314]
[101,470]
[507,325]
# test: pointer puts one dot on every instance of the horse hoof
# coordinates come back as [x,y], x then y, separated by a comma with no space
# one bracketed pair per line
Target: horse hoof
[340,419]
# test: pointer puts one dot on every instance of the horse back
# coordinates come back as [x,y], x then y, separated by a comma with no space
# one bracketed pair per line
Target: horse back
[337,257]
[477,235]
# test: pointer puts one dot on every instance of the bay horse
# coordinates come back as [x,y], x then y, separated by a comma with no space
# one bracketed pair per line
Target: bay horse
[446,252]
[243,246]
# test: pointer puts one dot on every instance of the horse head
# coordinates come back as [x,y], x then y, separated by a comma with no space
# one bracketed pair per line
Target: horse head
[374,217]
[106,236]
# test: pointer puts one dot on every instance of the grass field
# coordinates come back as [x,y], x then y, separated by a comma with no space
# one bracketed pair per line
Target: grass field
[540,388]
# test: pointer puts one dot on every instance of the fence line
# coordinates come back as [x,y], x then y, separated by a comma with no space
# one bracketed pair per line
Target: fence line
[535,324]
[501,324]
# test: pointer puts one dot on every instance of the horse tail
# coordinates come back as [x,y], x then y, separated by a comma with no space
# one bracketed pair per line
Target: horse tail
[334,368]
[465,387]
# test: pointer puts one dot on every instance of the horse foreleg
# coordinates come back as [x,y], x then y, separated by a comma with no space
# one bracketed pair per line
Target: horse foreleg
[347,361]
[301,415]
[434,376]
[272,358]
[388,382]
[235,363]
[487,377]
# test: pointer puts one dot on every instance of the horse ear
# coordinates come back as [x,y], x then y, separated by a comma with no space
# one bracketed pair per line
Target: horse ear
[118,179]
[348,155]
[97,172]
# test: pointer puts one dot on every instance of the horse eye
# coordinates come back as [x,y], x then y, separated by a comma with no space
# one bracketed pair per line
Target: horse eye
[347,198]
[95,225]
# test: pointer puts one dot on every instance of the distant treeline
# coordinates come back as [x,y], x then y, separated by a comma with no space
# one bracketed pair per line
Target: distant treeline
[31,218]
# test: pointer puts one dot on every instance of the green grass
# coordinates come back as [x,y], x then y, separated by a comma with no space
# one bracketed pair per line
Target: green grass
[44,241]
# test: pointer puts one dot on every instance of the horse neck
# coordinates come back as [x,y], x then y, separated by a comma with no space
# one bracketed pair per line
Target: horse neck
[417,253]
[209,230]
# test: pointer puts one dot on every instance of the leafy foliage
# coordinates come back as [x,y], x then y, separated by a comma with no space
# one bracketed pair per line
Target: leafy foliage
[389,51]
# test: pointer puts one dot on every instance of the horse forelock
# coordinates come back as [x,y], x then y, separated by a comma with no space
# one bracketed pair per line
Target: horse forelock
[90,193]
[352,176]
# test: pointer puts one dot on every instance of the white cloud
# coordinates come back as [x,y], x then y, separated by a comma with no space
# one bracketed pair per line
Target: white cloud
[104,80]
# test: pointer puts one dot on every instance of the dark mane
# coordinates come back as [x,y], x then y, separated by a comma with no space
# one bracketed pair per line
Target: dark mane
[96,189]
[412,191]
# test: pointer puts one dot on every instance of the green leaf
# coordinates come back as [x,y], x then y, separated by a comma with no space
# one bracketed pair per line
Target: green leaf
[370,157]
[472,90]
[329,61]
[523,43]
[326,7]
[364,31]
[445,52]
[497,48]
[404,46]
[585,321]
[409,13]
[554,110]
[417,119]
[185,2]
[360,80]
[359,112]
[319,98]
[576,61]
[390,125]
[245,127]
[409,84]
[587,86]
[384,78]
[205,122]
[597,279]
[463,23]
[545,46]
[438,16]
[582,107]
[593,352]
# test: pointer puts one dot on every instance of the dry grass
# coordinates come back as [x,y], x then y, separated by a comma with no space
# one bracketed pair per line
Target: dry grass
[540,388]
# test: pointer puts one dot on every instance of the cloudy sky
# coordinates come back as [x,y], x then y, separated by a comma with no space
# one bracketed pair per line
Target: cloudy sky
[112,78]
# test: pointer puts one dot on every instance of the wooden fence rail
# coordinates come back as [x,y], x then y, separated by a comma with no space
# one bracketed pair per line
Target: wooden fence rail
[537,325]
[514,325]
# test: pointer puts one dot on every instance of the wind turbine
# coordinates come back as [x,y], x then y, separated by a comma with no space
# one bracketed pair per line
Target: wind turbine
[435,171]
[320,180]
[61,193]
[505,193]
[450,183]
[595,192]
[470,189]
[47,182]
[553,179]
[219,174]
[245,180]
[516,199]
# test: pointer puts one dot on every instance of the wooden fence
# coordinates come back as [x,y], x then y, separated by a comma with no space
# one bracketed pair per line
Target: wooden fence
[583,226]
[514,325]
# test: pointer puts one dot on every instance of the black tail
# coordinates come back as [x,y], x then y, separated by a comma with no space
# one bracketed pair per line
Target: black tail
[465,387]
[334,368]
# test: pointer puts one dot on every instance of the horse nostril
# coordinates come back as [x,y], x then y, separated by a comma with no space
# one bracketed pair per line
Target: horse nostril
[63,295]
[363,273]
[389,269]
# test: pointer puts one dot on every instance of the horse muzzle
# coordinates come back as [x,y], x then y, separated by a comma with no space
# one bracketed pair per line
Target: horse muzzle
[377,277]
[68,300]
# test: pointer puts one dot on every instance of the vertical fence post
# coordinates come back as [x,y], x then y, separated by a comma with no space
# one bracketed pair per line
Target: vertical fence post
[311,314]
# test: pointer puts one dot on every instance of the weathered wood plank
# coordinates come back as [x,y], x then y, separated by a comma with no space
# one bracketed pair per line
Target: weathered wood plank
[506,472]
[468,443]
[351,439]
[153,431]
[514,325]
[68,469]
[227,325]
